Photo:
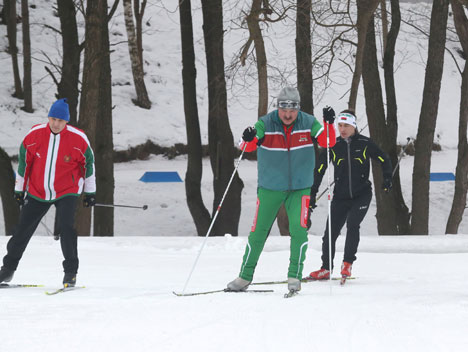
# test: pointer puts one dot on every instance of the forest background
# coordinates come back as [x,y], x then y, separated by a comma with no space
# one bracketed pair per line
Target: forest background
[131,105]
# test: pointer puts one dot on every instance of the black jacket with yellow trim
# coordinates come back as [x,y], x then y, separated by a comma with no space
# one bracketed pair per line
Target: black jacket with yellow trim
[351,159]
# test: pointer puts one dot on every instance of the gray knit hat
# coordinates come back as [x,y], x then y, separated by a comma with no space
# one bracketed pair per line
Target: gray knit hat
[289,94]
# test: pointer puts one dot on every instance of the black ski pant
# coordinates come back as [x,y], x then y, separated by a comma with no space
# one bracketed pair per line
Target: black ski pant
[351,212]
[31,215]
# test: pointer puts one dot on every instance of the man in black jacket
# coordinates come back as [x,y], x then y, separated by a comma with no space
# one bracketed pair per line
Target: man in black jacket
[353,191]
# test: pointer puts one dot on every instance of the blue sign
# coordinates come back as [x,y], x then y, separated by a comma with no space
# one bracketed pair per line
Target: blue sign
[441,176]
[161,176]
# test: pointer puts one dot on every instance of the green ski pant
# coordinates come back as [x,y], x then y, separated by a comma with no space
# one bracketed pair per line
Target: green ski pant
[268,204]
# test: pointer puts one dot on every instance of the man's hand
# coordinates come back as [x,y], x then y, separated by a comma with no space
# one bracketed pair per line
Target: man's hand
[387,184]
[249,134]
[89,200]
[329,114]
[19,198]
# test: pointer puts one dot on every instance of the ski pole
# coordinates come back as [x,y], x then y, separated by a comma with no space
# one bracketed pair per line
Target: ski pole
[214,218]
[401,156]
[329,209]
[144,207]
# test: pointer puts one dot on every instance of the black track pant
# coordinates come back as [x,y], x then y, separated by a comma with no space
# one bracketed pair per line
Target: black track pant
[351,212]
[31,214]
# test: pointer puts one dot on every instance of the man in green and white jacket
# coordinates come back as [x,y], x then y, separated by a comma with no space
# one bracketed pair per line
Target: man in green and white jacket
[286,161]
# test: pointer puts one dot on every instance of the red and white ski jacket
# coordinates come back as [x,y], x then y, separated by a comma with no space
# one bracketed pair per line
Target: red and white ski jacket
[55,165]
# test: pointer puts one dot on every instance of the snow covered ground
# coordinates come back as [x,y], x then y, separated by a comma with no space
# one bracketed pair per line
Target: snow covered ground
[411,294]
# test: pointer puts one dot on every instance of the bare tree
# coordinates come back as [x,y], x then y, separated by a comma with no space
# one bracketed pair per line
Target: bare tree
[68,85]
[220,139]
[365,12]
[7,185]
[384,17]
[10,15]
[427,119]
[255,35]
[304,55]
[136,54]
[139,12]
[400,213]
[27,81]
[392,213]
[461,174]
[193,176]
[96,116]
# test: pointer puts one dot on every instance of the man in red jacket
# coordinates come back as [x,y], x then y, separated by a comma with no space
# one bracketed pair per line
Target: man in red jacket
[56,164]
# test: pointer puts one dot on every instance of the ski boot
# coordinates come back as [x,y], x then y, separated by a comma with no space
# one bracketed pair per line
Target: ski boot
[294,286]
[69,280]
[238,284]
[345,272]
[6,275]
[322,274]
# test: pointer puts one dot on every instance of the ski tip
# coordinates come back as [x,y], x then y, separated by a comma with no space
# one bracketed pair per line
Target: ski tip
[5,285]
[291,293]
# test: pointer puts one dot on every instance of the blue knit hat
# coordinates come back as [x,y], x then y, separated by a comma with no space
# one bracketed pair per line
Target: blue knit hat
[59,110]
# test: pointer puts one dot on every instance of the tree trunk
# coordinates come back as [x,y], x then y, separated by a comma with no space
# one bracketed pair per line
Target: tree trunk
[10,15]
[389,206]
[427,118]
[142,99]
[304,56]
[7,185]
[220,139]
[383,11]
[256,36]
[27,82]
[193,176]
[68,85]
[139,27]
[461,174]
[402,216]
[96,116]
[365,11]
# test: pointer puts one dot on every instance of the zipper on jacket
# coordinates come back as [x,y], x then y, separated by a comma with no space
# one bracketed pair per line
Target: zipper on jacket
[348,144]
[50,167]
[285,132]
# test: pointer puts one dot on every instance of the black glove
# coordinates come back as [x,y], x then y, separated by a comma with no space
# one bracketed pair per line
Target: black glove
[312,201]
[19,198]
[329,114]
[89,200]
[249,134]
[387,184]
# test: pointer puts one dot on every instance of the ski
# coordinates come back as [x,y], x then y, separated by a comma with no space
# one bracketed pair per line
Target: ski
[291,293]
[309,279]
[217,291]
[63,289]
[306,279]
[4,285]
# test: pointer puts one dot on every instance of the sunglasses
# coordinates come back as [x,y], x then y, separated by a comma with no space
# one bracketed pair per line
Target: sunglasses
[288,104]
